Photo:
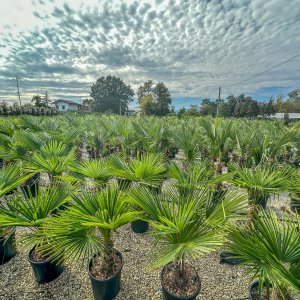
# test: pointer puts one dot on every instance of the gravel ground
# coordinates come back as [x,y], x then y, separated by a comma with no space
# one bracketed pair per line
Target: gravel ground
[219,281]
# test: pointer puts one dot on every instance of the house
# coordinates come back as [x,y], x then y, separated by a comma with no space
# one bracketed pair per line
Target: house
[130,112]
[292,116]
[67,105]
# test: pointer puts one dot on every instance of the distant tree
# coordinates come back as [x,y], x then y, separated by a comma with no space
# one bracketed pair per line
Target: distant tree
[181,112]
[148,105]
[246,107]
[160,96]
[193,111]
[163,99]
[111,93]
[208,107]
[270,107]
[38,101]
[294,95]
[88,103]
[146,89]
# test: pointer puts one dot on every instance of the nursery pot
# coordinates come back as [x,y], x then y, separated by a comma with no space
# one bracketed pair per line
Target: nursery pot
[263,203]
[7,248]
[229,258]
[295,203]
[106,289]
[44,271]
[139,226]
[31,186]
[254,286]
[60,208]
[167,295]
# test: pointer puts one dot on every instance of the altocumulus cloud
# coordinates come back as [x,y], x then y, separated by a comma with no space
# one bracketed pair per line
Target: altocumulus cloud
[194,46]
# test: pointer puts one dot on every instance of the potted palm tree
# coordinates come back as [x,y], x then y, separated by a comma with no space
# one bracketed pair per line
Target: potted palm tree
[275,259]
[11,177]
[185,228]
[52,158]
[32,212]
[148,170]
[85,230]
[262,181]
[196,176]
[91,174]
[217,133]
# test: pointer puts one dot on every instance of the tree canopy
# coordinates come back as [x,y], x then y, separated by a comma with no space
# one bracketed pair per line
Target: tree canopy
[111,94]
[154,99]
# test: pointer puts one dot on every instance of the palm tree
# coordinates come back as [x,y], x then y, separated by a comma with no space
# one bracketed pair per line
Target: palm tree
[31,212]
[53,158]
[185,228]
[275,259]
[85,231]
[11,176]
[92,173]
[148,169]
[195,177]
[262,181]
[187,138]
[217,133]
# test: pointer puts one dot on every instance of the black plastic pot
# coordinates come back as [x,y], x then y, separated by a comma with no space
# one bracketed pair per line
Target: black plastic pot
[106,289]
[45,271]
[295,203]
[263,203]
[139,226]
[60,208]
[228,258]
[31,186]
[254,286]
[7,248]
[169,296]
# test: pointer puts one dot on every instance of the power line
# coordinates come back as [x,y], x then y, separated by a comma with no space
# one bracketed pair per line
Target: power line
[263,72]
[252,77]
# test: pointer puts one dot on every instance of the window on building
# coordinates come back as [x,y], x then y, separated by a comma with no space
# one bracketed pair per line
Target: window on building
[57,107]
[63,107]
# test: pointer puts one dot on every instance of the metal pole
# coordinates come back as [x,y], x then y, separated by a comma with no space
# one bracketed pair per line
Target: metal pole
[219,101]
[18,92]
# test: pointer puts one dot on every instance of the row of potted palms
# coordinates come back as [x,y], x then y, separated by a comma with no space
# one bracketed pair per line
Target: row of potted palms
[102,206]
[180,220]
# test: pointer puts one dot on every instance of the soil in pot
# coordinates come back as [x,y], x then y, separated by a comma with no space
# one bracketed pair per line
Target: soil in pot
[44,270]
[176,288]
[106,282]
[7,248]
[139,226]
[254,293]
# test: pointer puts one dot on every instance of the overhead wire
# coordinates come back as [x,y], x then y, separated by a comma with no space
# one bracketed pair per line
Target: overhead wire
[251,77]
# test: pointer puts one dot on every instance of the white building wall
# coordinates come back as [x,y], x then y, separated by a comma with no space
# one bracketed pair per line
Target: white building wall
[62,106]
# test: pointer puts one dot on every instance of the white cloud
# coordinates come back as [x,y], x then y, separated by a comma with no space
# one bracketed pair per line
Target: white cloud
[193,46]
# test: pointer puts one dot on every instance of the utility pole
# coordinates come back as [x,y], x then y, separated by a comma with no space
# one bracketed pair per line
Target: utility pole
[219,101]
[46,98]
[18,91]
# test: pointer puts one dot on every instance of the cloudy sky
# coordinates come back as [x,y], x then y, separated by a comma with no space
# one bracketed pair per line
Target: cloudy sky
[194,46]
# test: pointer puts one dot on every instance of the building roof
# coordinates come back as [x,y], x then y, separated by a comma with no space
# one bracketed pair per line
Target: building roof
[65,101]
[291,115]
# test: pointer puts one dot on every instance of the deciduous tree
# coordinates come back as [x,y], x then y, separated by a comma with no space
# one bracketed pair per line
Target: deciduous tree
[111,93]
